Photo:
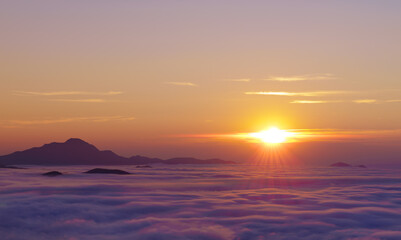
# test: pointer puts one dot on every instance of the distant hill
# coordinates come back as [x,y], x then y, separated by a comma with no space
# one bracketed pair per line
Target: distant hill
[78,152]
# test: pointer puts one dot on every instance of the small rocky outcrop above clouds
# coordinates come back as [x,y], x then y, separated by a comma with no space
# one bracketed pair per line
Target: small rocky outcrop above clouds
[340,164]
[343,164]
[107,171]
[52,174]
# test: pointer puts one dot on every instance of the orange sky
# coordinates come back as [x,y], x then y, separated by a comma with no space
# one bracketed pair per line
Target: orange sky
[131,76]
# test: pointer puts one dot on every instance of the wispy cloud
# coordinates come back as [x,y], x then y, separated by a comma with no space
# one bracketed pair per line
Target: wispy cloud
[70,96]
[91,100]
[365,101]
[313,101]
[16,123]
[66,93]
[189,84]
[305,94]
[305,77]
[358,101]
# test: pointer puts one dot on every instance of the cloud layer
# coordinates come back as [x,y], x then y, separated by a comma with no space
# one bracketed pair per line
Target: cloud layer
[186,202]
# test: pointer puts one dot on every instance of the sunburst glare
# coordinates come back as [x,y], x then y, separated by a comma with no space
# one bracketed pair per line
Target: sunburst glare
[273,135]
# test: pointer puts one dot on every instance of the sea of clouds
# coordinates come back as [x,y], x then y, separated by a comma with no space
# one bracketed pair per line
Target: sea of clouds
[201,202]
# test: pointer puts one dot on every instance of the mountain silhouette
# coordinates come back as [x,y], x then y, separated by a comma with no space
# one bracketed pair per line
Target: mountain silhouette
[78,152]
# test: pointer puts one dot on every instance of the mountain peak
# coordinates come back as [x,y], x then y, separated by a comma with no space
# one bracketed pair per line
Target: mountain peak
[76,141]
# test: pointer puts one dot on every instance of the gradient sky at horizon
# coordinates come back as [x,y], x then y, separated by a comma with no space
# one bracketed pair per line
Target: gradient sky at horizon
[131,76]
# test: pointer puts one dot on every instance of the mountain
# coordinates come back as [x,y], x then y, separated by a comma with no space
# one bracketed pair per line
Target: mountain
[78,152]
[72,152]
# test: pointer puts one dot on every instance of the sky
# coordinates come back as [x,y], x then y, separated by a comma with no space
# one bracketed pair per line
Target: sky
[156,78]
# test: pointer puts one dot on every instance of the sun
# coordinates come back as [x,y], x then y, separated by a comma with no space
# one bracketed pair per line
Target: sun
[272,135]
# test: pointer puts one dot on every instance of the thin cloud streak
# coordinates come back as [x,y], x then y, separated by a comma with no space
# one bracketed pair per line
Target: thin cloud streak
[313,102]
[15,123]
[306,77]
[304,94]
[93,100]
[365,101]
[308,135]
[66,93]
[189,84]
[358,101]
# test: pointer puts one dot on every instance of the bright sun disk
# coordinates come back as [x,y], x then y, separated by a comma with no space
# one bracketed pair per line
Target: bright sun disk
[273,135]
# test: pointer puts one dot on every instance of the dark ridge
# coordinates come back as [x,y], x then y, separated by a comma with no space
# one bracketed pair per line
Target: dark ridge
[52,174]
[141,160]
[108,171]
[75,151]
[361,166]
